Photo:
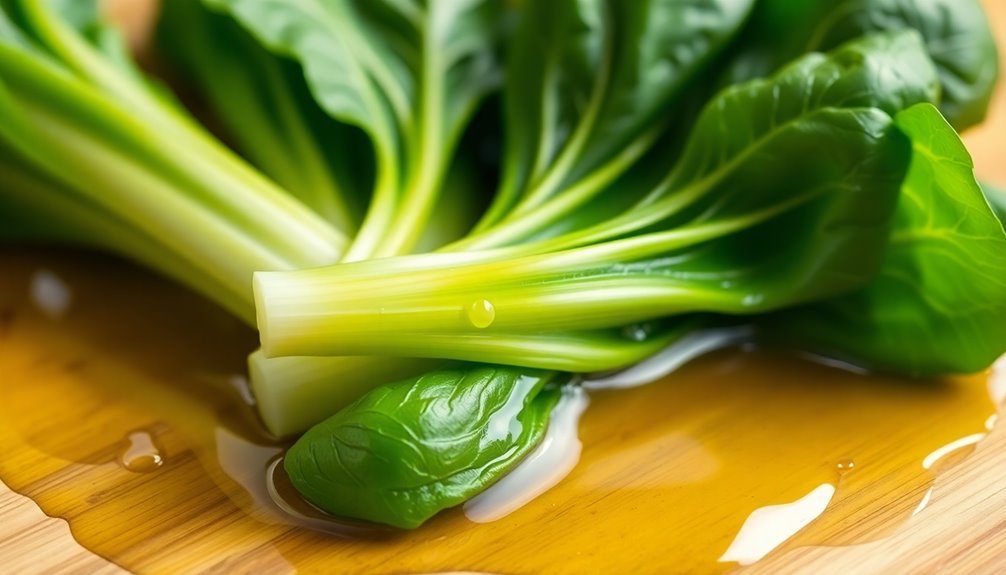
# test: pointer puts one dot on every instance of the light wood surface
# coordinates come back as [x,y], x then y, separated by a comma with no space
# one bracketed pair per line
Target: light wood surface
[31,542]
[963,530]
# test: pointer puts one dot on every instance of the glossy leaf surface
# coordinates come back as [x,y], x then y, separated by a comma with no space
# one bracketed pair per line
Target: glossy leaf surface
[405,451]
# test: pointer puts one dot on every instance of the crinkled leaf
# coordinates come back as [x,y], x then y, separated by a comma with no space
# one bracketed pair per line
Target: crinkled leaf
[956,32]
[405,451]
[957,36]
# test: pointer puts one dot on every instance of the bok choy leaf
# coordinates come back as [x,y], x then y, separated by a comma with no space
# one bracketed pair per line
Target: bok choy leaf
[405,451]
[939,303]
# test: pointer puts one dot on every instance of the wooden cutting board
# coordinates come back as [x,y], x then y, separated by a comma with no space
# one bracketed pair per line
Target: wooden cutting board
[193,515]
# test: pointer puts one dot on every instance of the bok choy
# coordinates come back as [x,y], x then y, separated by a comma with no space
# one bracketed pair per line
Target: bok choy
[646,169]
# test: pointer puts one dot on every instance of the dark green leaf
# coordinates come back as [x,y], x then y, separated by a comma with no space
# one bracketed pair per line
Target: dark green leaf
[589,80]
[405,451]
[956,33]
[939,304]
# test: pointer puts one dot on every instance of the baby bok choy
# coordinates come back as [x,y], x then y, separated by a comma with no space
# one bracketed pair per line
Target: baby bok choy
[543,101]
[740,228]
[665,166]
[958,41]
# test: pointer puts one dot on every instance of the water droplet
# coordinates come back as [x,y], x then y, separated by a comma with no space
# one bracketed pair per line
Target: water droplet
[846,465]
[51,294]
[637,332]
[142,455]
[481,313]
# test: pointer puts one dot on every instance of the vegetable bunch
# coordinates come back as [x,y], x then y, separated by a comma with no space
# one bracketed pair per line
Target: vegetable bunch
[478,198]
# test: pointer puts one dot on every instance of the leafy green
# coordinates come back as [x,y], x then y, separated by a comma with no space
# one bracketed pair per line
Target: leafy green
[405,451]
[649,50]
[665,165]
[408,74]
[267,111]
[587,83]
[743,229]
[957,36]
[956,33]
[939,303]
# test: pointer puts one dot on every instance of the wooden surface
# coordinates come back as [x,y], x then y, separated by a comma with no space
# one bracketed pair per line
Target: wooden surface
[30,542]
[962,530]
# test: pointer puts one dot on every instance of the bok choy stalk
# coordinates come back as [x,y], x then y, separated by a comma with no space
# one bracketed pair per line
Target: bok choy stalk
[74,110]
[633,43]
[740,229]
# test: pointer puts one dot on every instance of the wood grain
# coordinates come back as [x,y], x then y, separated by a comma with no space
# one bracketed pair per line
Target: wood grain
[963,530]
[31,542]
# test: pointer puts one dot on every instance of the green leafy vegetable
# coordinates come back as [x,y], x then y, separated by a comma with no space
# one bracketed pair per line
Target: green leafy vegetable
[939,303]
[406,451]
[742,229]
[956,34]
[268,112]
[663,165]
[410,75]
[651,49]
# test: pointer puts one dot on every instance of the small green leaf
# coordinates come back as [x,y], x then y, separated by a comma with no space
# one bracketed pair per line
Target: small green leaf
[406,451]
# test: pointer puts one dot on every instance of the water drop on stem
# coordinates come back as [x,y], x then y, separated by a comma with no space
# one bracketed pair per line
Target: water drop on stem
[481,313]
